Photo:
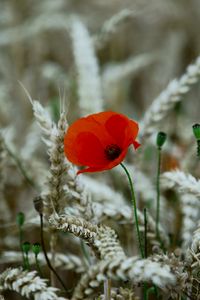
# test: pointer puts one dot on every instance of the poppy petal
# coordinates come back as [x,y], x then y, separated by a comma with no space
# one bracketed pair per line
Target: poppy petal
[116,126]
[87,125]
[131,133]
[102,117]
[87,150]
[89,140]
[134,128]
[108,166]
[136,144]
[89,170]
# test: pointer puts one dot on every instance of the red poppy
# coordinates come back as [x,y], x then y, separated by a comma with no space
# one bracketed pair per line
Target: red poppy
[100,141]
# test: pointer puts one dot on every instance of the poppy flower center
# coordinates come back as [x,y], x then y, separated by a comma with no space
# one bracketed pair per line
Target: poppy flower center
[112,151]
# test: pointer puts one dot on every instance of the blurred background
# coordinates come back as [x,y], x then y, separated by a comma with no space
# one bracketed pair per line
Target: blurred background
[86,55]
[139,47]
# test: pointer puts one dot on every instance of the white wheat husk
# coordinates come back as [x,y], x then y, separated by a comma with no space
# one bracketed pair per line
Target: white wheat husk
[124,269]
[174,93]
[192,254]
[117,77]
[30,29]
[111,26]
[140,180]
[115,72]
[27,284]
[5,213]
[101,192]
[31,142]
[63,261]
[62,184]
[185,183]
[89,82]
[109,204]
[190,206]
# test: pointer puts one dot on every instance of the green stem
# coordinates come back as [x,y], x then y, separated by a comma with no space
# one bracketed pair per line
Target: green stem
[152,290]
[198,148]
[85,253]
[27,264]
[20,244]
[134,209]
[45,253]
[145,234]
[158,195]
[38,265]
[145,249]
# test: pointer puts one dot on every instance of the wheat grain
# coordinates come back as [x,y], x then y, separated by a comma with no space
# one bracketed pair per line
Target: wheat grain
[131,268]
[185,183]
[89,83]
[63,261]
[174,93]
[27,284]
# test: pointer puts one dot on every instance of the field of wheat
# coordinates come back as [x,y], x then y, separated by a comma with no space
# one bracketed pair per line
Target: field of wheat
[83,214]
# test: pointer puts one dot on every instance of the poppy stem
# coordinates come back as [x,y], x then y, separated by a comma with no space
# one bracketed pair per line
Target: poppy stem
[145,233]
[38,265]
[134,209]
[46,256]
[158,195]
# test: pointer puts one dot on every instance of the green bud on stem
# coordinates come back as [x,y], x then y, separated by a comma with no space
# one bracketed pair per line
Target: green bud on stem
[26,246]
[196,131]
[36,248]
[20,218]
[161,138]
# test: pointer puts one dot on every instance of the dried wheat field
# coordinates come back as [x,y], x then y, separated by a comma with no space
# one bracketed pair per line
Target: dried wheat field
[99,149]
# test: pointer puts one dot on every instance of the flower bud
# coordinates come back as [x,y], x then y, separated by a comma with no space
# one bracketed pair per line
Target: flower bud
[161,138]
[38,204]
[20,218]
[26,246]
[196,131]
[36,248]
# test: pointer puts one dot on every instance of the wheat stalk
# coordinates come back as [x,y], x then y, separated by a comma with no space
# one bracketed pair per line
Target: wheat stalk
[27,284]
[185,183]
[174,93]
[5,213]
[132,268]
[63,261]
[89,83]
[190,207]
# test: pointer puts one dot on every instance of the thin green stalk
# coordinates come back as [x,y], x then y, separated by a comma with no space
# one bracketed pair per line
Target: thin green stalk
[46,256]
[27,264]
[38,265]
[85,253]
[158,195]
[134,209]
[152,290]
[145,249]
[145,234]
[20,244]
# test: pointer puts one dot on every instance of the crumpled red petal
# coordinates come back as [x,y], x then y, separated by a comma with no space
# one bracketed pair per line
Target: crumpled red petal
[87,138]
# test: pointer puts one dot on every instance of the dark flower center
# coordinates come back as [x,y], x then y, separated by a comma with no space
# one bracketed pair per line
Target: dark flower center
[112,151]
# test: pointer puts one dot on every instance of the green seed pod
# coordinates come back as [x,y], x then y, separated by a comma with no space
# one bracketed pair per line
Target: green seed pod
[196,131]
[20,218]
[38,204]
[161,138]
[26,246]
[36,248]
